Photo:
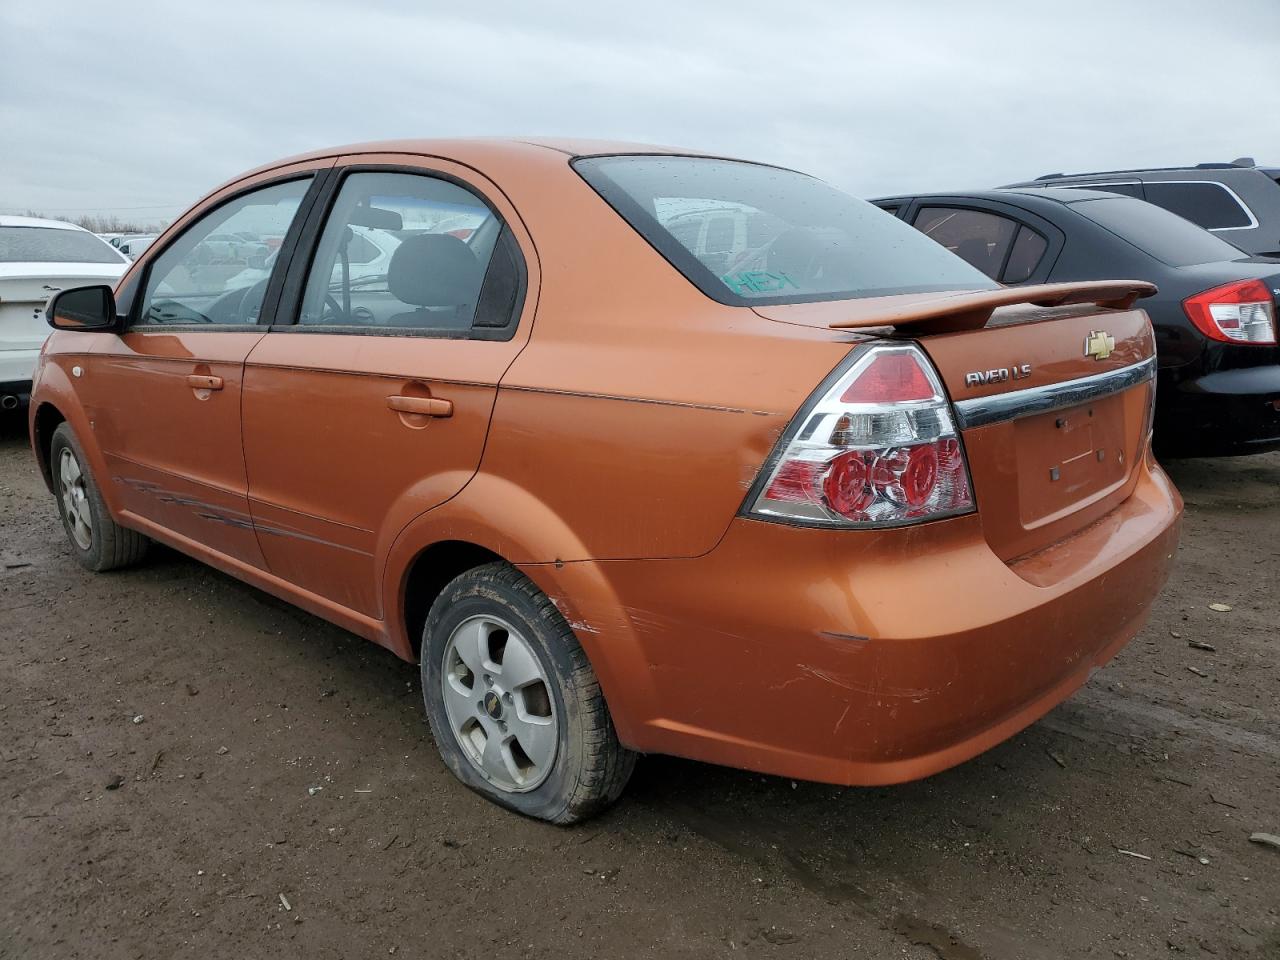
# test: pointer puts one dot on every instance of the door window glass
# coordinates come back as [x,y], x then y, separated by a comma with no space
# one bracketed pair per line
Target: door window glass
[1209,205]
[1028,249]
[979,238]
[434,242]
[217,271]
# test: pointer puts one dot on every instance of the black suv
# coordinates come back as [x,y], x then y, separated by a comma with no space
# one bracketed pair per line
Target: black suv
[1239,201]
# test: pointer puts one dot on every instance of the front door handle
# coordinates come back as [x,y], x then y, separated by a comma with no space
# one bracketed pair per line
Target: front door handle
[198,382]
[423,406]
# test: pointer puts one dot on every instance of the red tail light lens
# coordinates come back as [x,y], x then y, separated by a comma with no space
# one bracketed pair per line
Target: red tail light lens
[879,448]
[895,375]
[1241,312]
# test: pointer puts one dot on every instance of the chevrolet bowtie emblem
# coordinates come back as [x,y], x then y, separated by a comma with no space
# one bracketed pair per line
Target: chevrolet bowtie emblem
[1099,344]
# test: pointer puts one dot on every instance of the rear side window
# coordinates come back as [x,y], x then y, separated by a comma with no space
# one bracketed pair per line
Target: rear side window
[745,233]
[979,238]
[1164,235]
[1210,205]
[1028,250]
[53,245]
[411,251]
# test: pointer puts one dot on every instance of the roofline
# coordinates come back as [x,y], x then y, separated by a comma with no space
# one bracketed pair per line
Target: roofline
[25,221]
[1110,173]
[1002,193]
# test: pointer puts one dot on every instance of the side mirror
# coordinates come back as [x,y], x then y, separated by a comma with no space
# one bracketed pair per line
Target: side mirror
[82,308]
[257,261]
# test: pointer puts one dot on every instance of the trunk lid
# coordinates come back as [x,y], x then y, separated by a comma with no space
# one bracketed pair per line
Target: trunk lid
[1054,407]
[25,288]
[1053,402]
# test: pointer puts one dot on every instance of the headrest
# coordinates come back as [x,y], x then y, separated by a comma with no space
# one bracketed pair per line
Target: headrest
[434,270]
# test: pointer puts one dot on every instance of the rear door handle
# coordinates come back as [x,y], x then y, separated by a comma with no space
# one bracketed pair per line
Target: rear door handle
[425,406]
[198,382]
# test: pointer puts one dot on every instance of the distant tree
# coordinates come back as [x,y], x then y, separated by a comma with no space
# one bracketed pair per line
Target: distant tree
[102,224]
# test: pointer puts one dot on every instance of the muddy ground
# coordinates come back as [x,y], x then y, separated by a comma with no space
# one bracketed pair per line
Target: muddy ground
[247,705]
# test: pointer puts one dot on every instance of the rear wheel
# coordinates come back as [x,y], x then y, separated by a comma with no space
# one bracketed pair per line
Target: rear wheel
[513,703]
[97,541]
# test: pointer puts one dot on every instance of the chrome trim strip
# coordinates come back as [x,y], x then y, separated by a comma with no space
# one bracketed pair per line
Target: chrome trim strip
[980,411]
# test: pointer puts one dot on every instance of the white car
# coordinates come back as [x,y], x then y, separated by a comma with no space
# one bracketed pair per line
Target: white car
[37,259]
[132,246]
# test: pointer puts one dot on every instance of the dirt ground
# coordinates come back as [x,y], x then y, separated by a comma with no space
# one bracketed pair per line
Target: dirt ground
[180,755]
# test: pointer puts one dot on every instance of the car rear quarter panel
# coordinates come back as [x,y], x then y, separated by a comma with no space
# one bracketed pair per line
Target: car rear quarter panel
[641,410]
[637,416]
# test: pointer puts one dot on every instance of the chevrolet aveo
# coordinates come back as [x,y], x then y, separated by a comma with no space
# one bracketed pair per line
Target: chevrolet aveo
[633,451]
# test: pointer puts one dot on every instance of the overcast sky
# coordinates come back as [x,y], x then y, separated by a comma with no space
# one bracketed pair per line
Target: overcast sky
[137,108]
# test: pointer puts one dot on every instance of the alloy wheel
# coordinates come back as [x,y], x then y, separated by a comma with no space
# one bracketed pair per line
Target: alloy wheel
[498,700]
[75,499]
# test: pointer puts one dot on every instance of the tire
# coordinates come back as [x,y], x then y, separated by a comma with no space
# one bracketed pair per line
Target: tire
[97,541]
[494,617]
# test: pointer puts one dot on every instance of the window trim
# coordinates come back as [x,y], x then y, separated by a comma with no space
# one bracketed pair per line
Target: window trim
[138,289]
[1053,235]
[1013,238]
[1017,234]
[290,300]
[1248,212]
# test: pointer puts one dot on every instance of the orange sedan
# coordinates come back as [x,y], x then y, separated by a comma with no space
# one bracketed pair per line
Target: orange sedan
[632,450]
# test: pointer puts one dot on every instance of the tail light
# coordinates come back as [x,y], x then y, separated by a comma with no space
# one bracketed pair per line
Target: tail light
[875,447]
[1241,312]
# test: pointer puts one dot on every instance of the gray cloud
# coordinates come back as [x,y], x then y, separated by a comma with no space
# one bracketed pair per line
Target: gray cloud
[138,108]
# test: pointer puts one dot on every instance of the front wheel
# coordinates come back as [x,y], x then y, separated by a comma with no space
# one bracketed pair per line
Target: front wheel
[97,541]
[513,703]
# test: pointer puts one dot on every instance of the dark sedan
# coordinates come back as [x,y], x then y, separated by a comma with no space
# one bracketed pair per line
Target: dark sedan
[1214,317]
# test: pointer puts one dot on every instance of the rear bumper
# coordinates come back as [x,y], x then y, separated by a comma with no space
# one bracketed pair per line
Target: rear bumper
[1223,413]
[16,367]
[871,658]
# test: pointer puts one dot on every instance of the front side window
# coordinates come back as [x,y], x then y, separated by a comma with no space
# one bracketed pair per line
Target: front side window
[745,233]
[53,245]
[1210,205]
[403,250]
[978,238]
[217,270]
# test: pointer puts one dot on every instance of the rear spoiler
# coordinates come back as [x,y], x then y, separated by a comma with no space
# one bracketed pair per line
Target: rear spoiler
[970,310]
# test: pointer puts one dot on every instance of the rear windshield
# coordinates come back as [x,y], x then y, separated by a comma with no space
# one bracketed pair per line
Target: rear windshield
[1163,235]
[746,233]
[53,245]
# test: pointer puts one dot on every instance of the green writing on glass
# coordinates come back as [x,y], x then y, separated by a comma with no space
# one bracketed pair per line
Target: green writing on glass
[758,281]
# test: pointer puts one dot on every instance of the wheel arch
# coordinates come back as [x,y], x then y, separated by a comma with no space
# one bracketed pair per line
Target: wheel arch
[496,519]
[44,421]
[427,575]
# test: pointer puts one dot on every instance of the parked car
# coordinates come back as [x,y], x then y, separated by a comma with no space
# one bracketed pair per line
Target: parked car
[368,256]
[1240,200]
[811,517]
[1214,314]
[37,259]
[116,239]
[131,247]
